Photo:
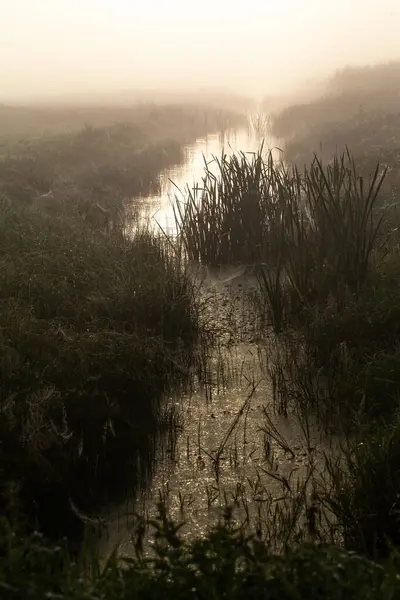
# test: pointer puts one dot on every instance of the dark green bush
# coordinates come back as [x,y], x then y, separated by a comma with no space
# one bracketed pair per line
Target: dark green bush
[365,492]
[225,564]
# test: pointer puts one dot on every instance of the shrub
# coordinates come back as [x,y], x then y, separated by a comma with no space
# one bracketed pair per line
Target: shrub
[225,564]
[365,491]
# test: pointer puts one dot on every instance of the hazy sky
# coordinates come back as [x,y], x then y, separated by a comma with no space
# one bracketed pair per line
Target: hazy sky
[62,46]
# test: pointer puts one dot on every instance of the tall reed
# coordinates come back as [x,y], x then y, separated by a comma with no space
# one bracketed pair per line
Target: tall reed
[314,230]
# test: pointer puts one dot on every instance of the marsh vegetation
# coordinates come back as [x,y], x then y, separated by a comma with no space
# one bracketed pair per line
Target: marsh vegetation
[110,345]
[96,326]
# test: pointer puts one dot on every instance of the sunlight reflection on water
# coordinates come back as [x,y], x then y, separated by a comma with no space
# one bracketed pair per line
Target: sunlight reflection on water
[157,210]
[192,483]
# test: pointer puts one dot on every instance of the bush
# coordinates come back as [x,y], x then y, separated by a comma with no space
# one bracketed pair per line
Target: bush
[365,491]
[356,346]
[225,564]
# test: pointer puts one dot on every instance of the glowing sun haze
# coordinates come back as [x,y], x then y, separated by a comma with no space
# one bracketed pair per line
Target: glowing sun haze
[53,47]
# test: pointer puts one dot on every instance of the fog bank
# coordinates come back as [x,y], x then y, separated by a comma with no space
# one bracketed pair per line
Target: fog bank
[85,47]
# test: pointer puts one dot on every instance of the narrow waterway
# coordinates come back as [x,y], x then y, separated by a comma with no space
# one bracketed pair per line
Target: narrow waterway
[157,211]
[224,452]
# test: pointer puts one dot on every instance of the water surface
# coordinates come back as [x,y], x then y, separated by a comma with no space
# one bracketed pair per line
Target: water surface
[157,210]
[223,453]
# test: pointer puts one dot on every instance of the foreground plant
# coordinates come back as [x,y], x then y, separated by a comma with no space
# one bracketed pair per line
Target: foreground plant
[225,564]
[364,491]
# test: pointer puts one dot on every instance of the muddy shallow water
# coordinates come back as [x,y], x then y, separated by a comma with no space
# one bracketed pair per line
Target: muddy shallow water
[223,453]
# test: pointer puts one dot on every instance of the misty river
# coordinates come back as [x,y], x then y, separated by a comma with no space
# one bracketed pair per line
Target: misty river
[187,478]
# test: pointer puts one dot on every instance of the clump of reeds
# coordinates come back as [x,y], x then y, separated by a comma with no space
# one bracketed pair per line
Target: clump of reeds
[315,230]
[260,124]
[225,219]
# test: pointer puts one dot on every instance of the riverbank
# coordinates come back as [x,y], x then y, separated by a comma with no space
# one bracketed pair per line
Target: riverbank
[324,244]
[359,111]
[175,120]
[96,327]
[90,170]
